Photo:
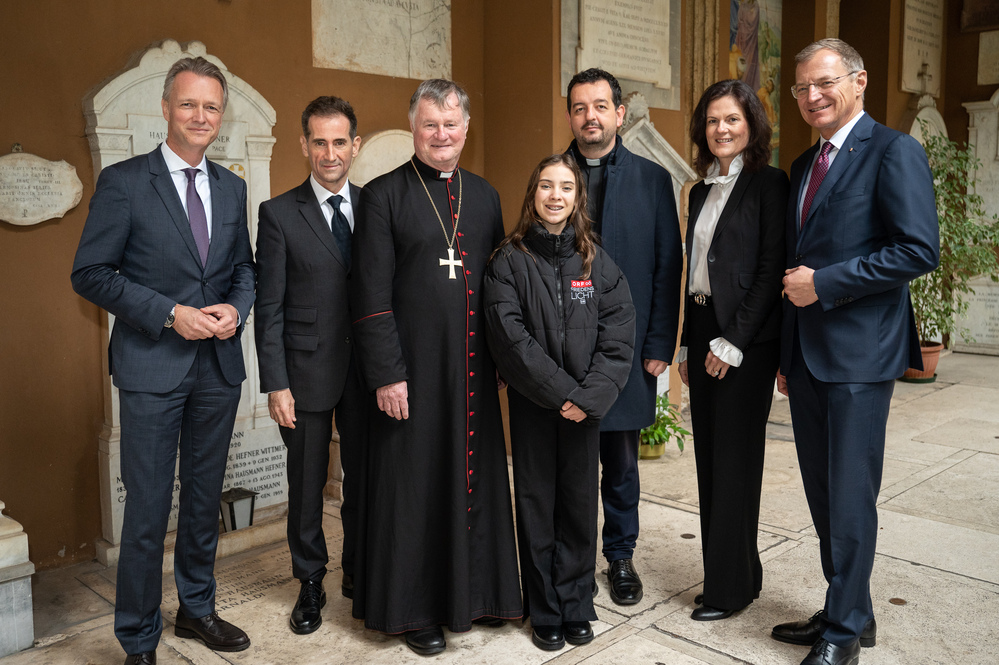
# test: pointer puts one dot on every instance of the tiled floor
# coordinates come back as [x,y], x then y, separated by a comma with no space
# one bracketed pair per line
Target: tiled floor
[935,583]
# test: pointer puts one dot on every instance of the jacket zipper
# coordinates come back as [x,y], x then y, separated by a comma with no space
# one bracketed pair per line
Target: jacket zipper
[557,264]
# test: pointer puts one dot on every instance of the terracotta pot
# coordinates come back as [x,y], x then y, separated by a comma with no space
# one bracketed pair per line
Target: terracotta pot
[931,356]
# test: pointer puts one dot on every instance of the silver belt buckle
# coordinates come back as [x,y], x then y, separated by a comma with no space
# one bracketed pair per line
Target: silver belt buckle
[700,299]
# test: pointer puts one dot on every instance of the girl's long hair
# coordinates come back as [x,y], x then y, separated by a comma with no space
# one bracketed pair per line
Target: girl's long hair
[586,244]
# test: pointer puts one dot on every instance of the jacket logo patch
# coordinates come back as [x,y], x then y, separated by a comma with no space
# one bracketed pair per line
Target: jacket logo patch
[582,289]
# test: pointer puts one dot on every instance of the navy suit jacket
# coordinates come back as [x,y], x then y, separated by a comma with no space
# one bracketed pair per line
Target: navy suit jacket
[302,318]
[137,258]
[871,229]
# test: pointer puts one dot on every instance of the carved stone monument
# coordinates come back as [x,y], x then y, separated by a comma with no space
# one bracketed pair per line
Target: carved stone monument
[124,119]
[405,38]
[922,46]
[380,153]
[638,41]
[988,58]
[33,189]
[982,318]
[17,628]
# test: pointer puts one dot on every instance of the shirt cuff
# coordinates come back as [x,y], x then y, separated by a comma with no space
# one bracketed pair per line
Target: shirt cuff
[681,355]
[725,351]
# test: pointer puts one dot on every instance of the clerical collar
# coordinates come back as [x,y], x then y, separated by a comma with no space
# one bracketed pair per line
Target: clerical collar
[586,161]
[432,172]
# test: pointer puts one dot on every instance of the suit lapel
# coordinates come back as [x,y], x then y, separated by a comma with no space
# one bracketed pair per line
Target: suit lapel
[218,212]
[741,183]
[308,206]
[162,182]
[846,157]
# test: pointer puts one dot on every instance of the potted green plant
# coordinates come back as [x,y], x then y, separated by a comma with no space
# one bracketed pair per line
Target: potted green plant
[666,427]
[968,241]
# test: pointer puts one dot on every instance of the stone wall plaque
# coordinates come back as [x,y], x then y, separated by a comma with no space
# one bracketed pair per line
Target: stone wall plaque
[33,189]
[988,58]
[405,38]
[638,41]
[628,37]
[149,131]
[922,46]
[982,319]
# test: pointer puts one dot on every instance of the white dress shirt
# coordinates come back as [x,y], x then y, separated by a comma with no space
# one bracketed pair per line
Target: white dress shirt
[322,194]
[176,166]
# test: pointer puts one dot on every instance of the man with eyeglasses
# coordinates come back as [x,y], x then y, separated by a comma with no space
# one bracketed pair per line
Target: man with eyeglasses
[862,223]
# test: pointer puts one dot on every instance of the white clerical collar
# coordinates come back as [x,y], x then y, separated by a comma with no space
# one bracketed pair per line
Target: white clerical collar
[323,194]
[714,171]
[175,163]
[592,162]
[445,175]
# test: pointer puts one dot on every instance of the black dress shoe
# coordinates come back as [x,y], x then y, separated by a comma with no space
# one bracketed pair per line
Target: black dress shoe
[827,653]
[708,613]
[699,599]
[218,635]
[147,658]
[577,632]
[808,632]
[548,638]
[426,641]
[347,586]
[307,615]
[492,622]
[625,585]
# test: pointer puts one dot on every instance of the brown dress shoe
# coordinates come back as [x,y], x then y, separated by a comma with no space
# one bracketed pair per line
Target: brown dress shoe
[217,635]
[147,658]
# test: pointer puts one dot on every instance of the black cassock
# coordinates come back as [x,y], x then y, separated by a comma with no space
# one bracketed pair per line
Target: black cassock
[436,543]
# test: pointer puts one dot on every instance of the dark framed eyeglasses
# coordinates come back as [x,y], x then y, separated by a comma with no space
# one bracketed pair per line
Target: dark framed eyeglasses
[800,90]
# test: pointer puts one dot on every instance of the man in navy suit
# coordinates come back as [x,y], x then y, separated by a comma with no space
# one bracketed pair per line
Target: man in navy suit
[166,250]
[304,344]
[633,210]
[861,223]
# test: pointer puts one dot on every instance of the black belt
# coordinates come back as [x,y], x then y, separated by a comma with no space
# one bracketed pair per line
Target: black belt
[702,299]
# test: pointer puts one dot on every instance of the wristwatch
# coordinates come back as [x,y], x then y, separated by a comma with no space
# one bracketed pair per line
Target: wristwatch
[170,318]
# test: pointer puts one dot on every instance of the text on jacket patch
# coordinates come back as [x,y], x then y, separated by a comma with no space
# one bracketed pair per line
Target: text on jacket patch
[581,290]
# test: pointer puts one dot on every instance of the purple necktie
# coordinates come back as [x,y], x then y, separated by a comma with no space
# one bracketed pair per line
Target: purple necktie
[818,173]
[196,215]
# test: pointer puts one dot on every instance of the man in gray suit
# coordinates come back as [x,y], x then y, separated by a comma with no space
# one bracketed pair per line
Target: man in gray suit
[304,345]
[166,250]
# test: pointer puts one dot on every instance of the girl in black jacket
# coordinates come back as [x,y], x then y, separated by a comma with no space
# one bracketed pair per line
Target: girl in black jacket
[561,328]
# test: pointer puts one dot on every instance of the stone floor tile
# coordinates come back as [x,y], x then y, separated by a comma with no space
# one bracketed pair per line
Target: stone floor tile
[61,602]
[641,649]
[981,435]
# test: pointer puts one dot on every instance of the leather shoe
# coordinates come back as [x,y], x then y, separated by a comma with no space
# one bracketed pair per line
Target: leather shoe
[147,658]
[491,622]
[808,632]
[577,632]
[426,641]
[217,635]
[307,615]
[347,586]
[708,613]
[827,653]
[548,638]
[699,599]
[625,585]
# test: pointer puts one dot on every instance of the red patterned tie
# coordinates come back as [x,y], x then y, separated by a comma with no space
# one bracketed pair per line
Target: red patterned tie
[818,173]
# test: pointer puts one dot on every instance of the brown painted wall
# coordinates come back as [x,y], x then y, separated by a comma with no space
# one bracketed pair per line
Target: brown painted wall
[961,78]
[51,404]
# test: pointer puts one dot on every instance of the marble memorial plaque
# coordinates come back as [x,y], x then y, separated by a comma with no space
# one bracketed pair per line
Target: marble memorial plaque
[982,319]
[405,38]
[149,131]
[922,46]
[627,37]
[33,189]
[988,58]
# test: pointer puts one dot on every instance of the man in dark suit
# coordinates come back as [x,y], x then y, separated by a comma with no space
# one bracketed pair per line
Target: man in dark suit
[166,250]
[304,344]
[861,223]
[633,209]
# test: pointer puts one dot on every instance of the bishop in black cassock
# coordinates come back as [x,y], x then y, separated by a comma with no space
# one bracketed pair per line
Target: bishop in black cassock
[437,544]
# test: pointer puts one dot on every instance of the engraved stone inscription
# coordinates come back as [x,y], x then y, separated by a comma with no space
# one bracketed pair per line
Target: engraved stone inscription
[405,38]
[149,131]
[988,58]
[922,46]
[982,318]
[33,189]
[630,38]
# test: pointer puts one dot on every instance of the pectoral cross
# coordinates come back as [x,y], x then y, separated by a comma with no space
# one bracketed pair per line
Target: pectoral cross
[451,263]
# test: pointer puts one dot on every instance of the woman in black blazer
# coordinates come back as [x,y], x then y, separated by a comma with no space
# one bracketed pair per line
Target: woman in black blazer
[730,344]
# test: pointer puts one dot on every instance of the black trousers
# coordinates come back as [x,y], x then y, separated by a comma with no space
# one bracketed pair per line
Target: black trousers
[555,465]
[307,468]
[729,419]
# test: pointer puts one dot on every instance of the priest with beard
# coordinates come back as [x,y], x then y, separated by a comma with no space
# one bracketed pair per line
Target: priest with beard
[436,546]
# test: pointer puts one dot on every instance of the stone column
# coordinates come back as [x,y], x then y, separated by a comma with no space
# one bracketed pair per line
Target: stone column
[17,628]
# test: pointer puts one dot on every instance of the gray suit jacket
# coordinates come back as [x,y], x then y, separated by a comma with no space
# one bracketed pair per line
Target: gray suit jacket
[302,319]
[137,258]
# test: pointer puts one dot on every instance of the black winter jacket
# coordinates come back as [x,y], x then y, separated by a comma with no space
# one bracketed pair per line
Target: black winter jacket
[554,335]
